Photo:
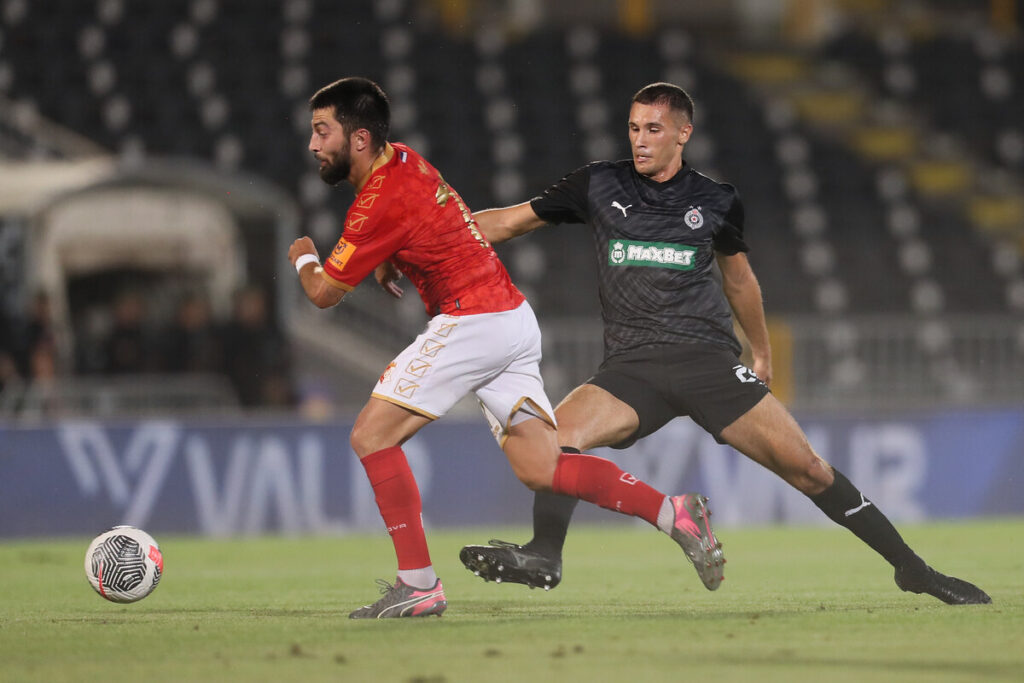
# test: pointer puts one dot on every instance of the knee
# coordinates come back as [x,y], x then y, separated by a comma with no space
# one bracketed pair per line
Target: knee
[811,476]
[364,440]
[357,440]
[536,477]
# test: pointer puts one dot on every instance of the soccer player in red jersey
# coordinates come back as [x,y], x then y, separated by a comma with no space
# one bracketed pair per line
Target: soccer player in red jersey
[482,337]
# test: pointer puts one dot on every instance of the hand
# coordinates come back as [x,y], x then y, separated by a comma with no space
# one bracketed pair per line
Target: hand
[303,245]
[763,369]
[387,275]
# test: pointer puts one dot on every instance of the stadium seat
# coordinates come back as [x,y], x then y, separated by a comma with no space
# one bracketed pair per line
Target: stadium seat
[854,204]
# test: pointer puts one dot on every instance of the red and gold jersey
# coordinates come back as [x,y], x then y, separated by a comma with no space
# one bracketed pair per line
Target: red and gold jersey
[407,214]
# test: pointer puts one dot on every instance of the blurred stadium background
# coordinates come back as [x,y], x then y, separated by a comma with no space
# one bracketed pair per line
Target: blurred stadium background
[159,366]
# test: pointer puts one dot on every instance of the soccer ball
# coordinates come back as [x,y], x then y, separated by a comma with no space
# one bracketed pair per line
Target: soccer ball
[124,564]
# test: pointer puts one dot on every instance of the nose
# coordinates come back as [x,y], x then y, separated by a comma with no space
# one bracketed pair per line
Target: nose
[313,147]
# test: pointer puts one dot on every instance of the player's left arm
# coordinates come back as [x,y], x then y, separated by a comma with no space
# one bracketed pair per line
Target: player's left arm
[322,294]
[744,294]
[387,275]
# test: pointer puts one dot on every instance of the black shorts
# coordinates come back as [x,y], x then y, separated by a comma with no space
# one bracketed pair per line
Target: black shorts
[702,381]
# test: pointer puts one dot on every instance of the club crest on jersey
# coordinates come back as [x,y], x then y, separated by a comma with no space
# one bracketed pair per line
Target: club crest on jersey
[617,254]
[694,219]
[386,375]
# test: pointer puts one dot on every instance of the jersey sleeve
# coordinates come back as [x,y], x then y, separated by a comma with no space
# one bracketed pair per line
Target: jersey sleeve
[566,200]
[365,243]
[728,238]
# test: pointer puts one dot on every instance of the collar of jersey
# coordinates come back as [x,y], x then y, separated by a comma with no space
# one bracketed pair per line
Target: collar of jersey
[674,180]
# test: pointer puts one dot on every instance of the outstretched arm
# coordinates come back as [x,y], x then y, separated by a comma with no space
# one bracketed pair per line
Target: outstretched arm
[744,294]
[316,288]
[498,225]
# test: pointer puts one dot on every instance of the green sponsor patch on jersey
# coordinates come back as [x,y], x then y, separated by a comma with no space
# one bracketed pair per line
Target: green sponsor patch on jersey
[653,254]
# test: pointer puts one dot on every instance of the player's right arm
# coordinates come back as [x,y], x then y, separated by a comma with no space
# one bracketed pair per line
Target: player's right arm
[498,225]
[744,294]
[563,202]
[322,294]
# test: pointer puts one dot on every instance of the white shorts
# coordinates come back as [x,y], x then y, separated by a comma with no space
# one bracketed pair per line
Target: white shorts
[494,355]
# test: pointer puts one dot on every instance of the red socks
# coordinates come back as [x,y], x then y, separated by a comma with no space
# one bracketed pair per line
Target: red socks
[398,498]
[595,480]
[600,481]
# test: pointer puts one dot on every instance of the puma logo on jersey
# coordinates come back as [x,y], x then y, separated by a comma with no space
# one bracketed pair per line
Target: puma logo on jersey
[621,208]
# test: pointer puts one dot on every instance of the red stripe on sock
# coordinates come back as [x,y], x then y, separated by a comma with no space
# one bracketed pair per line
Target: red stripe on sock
[398,499]
[600,481]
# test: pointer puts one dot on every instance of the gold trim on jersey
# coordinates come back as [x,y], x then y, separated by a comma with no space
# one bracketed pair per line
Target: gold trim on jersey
[541,413]
[418,411]
[335,283]
[386,155]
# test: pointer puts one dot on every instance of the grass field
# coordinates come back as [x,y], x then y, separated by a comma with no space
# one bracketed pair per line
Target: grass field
[797,604]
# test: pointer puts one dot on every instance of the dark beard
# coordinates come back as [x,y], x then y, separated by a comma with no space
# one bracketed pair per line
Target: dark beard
[332,174]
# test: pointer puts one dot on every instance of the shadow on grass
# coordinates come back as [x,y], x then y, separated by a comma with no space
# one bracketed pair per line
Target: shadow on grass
[970,669]
[653,611]
[216,613]
[473,612]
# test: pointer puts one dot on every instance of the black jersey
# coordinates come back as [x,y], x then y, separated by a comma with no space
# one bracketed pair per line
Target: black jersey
[655,244]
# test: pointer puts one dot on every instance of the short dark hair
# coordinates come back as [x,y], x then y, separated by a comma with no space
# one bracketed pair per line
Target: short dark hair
[666,93]
[358,103]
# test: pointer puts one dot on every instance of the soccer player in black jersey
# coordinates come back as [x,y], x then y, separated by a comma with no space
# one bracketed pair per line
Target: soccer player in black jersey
[669,346]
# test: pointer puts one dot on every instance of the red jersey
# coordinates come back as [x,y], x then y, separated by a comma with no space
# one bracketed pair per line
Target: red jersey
[406,213]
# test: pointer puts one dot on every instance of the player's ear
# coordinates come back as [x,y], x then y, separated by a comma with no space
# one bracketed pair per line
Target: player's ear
[360,139]
[684,133]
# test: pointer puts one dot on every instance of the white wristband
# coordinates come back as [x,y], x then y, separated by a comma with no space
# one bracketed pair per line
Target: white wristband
[304,259]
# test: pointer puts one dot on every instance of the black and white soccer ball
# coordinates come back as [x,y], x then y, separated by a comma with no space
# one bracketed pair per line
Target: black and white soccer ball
[124,564]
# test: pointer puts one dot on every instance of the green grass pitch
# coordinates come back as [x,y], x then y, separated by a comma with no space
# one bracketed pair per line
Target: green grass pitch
[798,604]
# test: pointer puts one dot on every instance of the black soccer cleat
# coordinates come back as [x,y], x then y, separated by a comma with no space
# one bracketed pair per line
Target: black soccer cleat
[502,561]
[920,578]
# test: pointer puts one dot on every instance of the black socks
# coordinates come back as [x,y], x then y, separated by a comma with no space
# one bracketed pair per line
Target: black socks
[842,502]
[848,507]
[551,516]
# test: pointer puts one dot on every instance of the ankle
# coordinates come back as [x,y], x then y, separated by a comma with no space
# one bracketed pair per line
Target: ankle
[911,564]
[423,578]
[546,549]
[667,516]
